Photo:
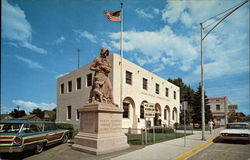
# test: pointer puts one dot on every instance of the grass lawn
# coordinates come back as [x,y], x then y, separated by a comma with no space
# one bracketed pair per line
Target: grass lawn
[136,139]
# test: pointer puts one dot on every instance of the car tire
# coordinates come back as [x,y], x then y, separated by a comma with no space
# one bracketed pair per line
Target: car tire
[65,138]
[39,147]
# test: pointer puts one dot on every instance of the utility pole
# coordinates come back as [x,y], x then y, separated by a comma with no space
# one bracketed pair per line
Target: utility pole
[202,27]
[78,54]
[202,93]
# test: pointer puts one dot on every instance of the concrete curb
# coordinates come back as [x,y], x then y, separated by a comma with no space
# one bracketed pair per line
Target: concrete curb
[195,150]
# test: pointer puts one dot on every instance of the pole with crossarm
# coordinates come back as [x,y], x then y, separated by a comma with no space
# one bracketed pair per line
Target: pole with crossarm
[202,27]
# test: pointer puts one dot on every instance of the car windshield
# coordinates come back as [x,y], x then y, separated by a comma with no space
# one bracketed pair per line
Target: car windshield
[10,127]
[237,126]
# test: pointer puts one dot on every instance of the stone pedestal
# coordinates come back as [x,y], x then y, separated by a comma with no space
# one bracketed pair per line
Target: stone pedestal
[100,130]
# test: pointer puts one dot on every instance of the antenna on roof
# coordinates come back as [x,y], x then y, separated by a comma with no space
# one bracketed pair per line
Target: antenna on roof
[78,54]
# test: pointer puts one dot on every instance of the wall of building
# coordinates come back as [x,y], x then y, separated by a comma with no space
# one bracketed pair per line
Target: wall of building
[220,116]
[136,94]
[133,94]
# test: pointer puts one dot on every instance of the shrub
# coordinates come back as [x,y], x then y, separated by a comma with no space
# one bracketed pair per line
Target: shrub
[161,130]
[68,127]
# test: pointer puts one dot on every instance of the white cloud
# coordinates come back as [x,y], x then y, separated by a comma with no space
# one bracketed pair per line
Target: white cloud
[158,68]
[223,56]
[156,10]
[142,13]
[16,28]
[87,35]
[29,62]
[158,44]
[60,75]
[29,106]
[59,40]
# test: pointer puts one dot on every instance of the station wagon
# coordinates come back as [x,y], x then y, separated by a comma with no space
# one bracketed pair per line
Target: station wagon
[17,136]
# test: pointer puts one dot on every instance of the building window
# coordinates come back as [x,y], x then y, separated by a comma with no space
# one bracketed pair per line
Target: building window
[89,80]
[69,86]
[174,95]
[217,107]
[69,112]
[62,88]
[78,83]
[157,88]
[145,83]
[77,115]
[166,94]
[142,111]
[128,77]
[126,110]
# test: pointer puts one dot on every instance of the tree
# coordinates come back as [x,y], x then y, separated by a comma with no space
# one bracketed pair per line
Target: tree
[16,113]
[38,112]
[186,94]
[196,105]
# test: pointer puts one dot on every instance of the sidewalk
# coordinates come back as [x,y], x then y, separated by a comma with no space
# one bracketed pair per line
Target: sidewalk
[169,149]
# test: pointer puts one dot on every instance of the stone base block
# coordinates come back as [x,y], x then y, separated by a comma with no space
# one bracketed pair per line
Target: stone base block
[100,130]
[100,144]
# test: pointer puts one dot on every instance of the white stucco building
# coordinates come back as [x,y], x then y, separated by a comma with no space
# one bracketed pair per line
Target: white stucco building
[139,86]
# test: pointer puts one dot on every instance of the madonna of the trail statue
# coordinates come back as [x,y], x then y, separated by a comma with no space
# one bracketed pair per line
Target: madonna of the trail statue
[100,122]
[101,88]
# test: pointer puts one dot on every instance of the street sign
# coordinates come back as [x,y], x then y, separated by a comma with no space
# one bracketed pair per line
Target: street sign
[149,110]
[184,105]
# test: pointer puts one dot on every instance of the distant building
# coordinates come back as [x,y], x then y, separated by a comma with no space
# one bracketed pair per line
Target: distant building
[139,86]
[237,117]
[221,109]
[30,117]
[49,115]
[5,117]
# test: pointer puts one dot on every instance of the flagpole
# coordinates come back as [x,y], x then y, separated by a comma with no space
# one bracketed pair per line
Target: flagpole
[121,54]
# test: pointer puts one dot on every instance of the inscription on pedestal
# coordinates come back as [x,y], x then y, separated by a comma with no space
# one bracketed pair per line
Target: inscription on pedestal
[89,123]
[107,125]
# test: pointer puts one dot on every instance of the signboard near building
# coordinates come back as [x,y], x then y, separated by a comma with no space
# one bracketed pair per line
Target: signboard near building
[149,110]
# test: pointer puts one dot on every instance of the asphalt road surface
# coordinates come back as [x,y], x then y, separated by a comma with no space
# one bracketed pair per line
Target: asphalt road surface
[63,152]
[226,150]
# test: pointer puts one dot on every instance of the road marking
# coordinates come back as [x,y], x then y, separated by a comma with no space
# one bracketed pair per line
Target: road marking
[195,150]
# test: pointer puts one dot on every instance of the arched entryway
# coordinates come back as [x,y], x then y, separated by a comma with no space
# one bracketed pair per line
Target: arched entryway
[166,115]
[157,119]
[129,111]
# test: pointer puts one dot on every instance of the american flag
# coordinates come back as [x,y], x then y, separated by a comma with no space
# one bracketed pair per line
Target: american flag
[113,16]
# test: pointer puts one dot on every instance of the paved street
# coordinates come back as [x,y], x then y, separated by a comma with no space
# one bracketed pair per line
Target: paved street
[165,150]
[229,150]
[64,152]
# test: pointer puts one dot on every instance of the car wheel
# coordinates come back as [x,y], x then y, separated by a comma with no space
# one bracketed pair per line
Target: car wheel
[39,147]
[65,138]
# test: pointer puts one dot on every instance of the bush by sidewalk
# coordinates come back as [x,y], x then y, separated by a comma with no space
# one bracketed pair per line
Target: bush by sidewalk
[72,131]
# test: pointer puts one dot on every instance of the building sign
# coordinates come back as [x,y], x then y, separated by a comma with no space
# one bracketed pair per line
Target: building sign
[149,110]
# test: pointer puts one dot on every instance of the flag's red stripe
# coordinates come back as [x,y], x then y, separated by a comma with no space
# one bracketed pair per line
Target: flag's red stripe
[111,17]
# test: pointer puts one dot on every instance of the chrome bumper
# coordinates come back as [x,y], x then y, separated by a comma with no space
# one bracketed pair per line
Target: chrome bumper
[11,149]
[234,138]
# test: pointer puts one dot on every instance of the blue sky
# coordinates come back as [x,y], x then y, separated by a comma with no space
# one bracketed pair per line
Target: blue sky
[40,39]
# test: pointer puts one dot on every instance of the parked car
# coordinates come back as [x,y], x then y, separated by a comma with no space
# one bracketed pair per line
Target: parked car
[17,136]
[236,131]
